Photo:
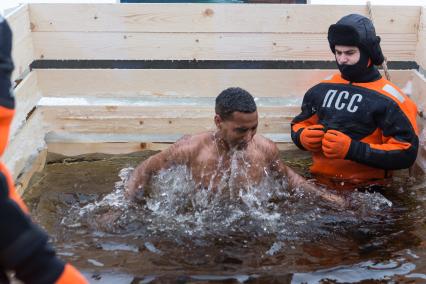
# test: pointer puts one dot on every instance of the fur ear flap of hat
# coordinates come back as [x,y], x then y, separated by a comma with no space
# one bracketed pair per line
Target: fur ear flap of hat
[356,30]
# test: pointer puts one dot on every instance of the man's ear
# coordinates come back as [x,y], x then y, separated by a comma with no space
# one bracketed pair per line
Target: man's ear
[217,120]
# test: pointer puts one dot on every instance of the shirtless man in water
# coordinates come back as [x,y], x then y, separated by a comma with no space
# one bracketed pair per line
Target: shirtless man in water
[211,156]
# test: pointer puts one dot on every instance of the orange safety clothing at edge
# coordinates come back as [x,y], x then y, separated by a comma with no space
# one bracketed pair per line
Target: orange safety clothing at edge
[24,247]
[378,118]
[71,276]
[13,195]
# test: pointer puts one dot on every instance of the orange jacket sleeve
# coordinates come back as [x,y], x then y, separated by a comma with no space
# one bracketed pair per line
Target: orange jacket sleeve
[7,102]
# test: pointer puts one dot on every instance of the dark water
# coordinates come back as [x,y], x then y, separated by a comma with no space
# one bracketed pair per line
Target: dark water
[267,234]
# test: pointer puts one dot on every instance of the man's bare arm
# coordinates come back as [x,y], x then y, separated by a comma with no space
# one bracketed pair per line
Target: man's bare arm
[141,176]
[139,182]
[295,180]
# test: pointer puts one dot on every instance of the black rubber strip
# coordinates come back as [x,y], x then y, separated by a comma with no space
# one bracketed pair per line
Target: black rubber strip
[199,64]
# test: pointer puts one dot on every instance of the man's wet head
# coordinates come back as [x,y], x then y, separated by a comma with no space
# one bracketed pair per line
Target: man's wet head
[236,117]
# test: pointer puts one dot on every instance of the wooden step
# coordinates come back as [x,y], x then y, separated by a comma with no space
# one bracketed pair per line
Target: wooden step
[146,115]
[72,144]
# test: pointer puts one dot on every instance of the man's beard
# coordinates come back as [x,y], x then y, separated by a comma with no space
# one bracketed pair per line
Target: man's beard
[355,72]
[361,72]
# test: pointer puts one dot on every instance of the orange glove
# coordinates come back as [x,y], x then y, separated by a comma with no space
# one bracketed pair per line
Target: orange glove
[335,144]
[311,137]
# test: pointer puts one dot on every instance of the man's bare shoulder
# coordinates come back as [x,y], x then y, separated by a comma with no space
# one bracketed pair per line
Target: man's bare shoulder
[194,139]
[192,142]
[265,145]
[262,141]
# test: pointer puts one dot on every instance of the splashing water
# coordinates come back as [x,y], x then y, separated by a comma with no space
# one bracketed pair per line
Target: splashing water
[179,207]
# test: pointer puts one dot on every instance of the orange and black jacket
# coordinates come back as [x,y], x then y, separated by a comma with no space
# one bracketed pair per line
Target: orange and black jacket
[7,102]
[24,247]
[377,116]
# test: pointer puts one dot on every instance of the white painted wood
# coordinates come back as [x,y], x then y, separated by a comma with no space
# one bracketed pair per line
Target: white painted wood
[22,51]
[202,46]
[208,18]
[23,56]
[27,95]
[152,120]
[419,93]
[72,144]
[119,83]
[176,83]
[26,146]
[419,96]
[421,45]
[34,165]
[19,21]
[75,149]
[53,137]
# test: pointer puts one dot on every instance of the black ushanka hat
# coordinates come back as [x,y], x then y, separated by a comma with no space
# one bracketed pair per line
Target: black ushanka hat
[356,30]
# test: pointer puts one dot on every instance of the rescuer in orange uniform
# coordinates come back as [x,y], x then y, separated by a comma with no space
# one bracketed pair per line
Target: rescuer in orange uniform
[24,247]
[357,125]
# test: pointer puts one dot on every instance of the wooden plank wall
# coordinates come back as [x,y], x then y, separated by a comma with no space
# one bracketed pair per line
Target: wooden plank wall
[158,106]
[175,83]
[207,31]
[27,95]
[26,137]
[25,148]
[23,51]
[421,45]
[419,95]
[162,105]
[110,83]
